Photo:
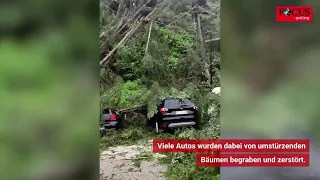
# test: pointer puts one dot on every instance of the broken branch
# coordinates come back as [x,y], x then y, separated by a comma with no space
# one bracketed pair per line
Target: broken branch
[106,60]
[149,37]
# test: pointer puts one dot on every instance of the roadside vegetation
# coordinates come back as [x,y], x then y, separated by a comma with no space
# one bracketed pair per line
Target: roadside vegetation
[165,57]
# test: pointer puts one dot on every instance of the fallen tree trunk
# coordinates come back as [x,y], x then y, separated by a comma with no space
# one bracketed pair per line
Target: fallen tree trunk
[138,109]
[214,43]
[107,60]
[139,10]
[147,46]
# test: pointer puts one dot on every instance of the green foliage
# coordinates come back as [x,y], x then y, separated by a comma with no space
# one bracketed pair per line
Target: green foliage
[127,136]
[129,61]
[178,42]
[124,95]
[132,93]
[169,67]
[182,166]
[166,54]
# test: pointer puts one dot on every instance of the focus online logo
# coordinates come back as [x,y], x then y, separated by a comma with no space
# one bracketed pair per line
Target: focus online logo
[294,14]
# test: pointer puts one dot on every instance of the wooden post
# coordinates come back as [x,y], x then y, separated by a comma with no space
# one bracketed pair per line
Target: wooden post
[213,44]
[199,29]
[211,64]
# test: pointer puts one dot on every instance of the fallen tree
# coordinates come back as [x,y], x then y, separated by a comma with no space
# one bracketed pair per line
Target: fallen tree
[130,16]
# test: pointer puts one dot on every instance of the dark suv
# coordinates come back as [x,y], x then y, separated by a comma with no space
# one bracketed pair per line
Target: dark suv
[110,119]
[175,113]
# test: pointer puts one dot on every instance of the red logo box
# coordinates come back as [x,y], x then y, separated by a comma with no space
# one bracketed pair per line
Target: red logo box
[294,13]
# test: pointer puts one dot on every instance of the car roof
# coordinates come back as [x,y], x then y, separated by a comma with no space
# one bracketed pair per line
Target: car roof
[170,98]
[103,110]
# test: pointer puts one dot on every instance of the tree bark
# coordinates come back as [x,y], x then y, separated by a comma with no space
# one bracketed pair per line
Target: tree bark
[106,60]
[199,29]
[148,37]
[118,45]
[121,8]
[206,72]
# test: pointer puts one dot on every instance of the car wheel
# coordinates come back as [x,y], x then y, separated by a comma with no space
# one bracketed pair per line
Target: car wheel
[196,127]
[119,125]
[150,123]
[169,130]
[102,132]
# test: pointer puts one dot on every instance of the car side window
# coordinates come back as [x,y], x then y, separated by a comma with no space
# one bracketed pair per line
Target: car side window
[188,102]
[106,114]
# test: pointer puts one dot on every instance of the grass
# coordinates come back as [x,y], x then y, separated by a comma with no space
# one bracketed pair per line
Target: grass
[123,137]
[129,136]
[182,166]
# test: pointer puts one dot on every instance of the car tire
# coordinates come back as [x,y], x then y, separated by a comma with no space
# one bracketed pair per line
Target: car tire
[196,127]
[150,123]
[169,130]
[102,133]
[120,125]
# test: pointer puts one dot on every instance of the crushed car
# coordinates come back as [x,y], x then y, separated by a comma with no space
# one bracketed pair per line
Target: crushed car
[175,113]
[110,120]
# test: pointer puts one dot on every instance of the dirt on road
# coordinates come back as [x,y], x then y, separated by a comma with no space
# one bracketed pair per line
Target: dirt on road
[134,162]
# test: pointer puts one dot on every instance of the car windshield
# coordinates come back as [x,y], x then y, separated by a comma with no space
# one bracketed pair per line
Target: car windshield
[177,103]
